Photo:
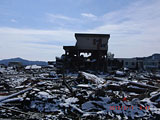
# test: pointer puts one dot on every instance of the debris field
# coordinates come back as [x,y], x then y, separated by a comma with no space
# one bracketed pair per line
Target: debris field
[43,94]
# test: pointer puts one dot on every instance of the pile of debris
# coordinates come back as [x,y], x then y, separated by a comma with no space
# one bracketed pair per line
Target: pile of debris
[48,95]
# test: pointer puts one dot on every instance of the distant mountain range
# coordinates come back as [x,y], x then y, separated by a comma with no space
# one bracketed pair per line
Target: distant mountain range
[155,56]
[23,62]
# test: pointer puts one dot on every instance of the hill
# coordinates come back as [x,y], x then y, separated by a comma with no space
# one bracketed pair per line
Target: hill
[23,61]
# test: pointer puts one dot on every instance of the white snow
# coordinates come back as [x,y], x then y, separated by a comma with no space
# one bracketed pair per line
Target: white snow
[120,72]
[32,67]
[71,100]
[93,78]
[84,85]
[44,95]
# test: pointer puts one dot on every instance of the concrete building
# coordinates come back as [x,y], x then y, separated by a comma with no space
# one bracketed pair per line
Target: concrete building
[89,52]
[142,63]
[130,63]
[151,64]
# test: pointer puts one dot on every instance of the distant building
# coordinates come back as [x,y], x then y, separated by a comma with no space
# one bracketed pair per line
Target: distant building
[151,64]
[142,63]
[114,64]
[130,63]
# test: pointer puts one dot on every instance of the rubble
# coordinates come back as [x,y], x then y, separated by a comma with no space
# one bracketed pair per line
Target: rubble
[44,94]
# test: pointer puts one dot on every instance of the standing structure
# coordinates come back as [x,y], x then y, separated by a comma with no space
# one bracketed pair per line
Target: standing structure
[89,52]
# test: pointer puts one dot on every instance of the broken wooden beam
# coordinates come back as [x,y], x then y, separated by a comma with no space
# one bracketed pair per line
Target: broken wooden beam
[135,83]
[15,94]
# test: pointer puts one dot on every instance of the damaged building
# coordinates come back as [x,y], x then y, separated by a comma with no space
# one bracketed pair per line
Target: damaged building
[89,53]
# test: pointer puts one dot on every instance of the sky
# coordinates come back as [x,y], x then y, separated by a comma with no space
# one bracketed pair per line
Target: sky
[38,29]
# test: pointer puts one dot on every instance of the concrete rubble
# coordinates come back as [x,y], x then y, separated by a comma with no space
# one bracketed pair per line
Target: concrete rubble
[44,94]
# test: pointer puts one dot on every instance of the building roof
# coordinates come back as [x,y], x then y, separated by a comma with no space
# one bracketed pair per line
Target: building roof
[91,34]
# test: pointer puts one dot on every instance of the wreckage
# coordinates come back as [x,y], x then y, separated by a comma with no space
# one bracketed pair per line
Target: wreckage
[44,94]
[75,58]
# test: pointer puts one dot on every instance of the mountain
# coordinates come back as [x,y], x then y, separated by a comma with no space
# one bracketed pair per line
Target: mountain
[23,61]
[155,56]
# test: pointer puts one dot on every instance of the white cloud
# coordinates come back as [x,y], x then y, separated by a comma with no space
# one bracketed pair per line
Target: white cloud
[89,15]
[61,21]
[53,17]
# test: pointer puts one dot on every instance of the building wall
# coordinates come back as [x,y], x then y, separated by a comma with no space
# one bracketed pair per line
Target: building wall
[151,64]
[92,41]
[130,63]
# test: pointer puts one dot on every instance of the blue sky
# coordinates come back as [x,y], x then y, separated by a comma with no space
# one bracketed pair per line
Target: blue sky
[38,29]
